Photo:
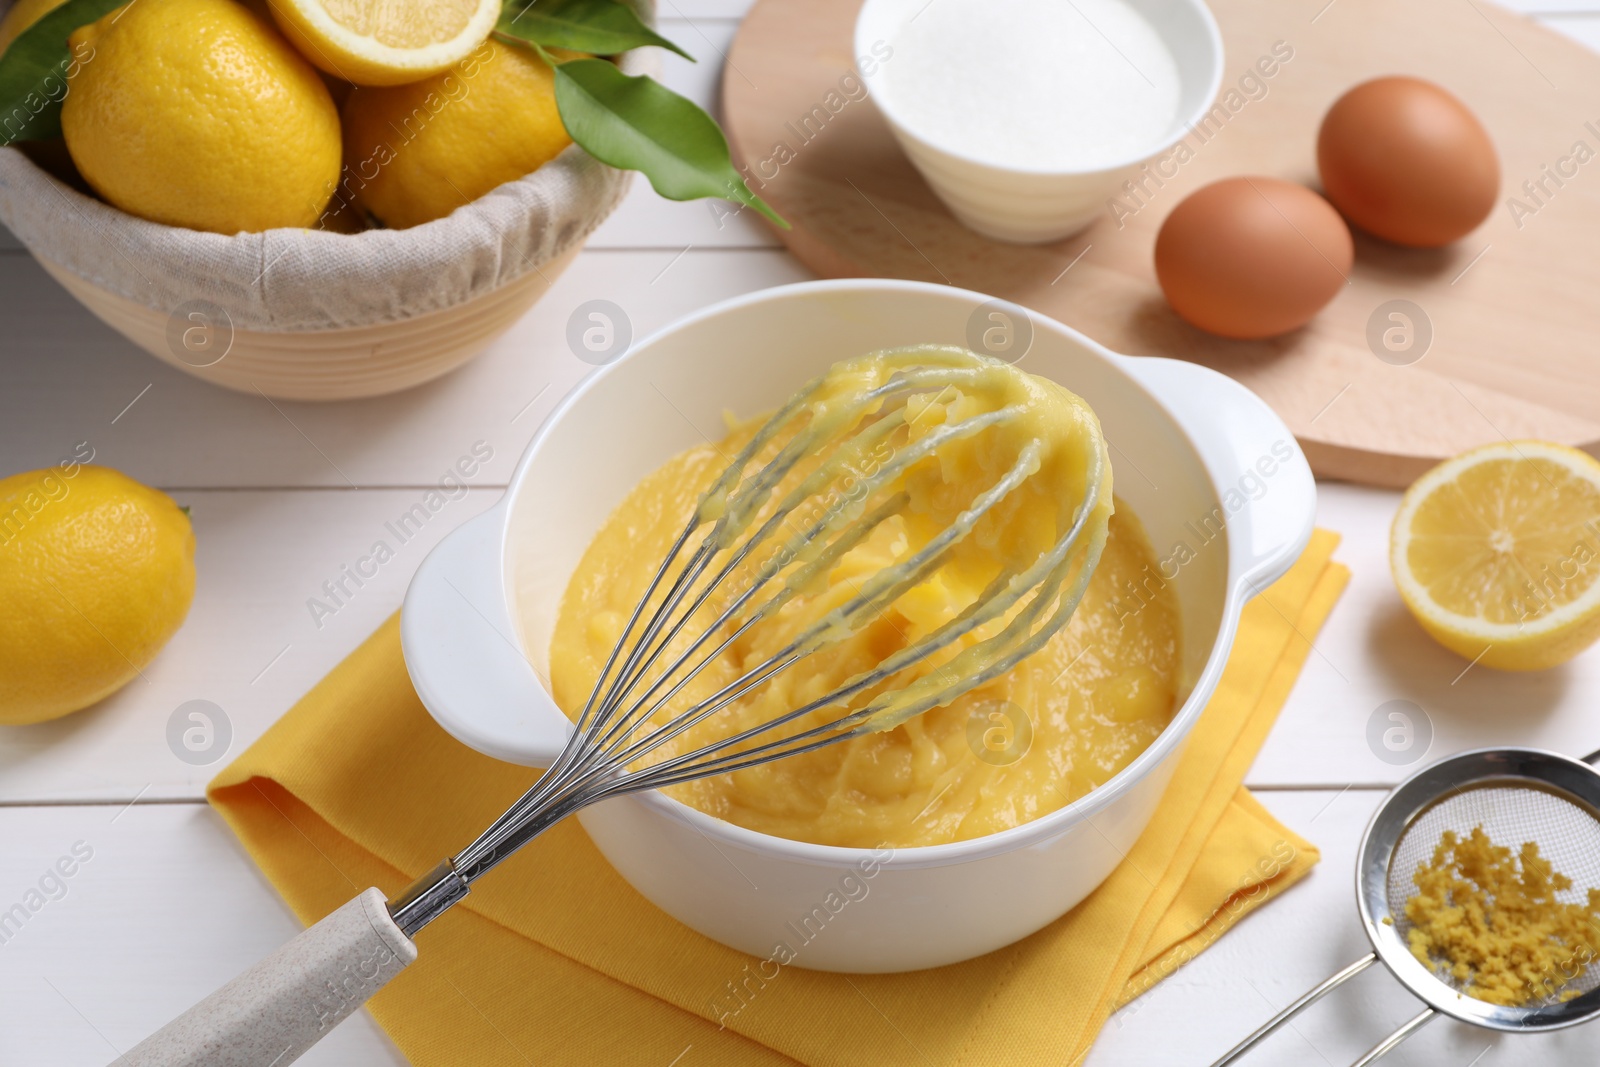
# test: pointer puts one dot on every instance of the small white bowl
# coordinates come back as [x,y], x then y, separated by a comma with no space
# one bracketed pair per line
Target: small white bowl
[1201,460]
[1034,206]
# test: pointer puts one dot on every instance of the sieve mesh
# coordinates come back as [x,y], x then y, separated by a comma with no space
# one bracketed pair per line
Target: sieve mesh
[1568,835]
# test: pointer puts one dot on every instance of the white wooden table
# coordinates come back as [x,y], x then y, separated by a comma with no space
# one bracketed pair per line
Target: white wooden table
[169,906]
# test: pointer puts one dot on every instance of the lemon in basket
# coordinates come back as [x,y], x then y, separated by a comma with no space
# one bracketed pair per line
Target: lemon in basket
[416,152]
[1497,554]
[96,574]
[198,113]
[372,42]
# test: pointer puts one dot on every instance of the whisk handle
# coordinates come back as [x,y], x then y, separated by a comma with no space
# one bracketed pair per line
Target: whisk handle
[271,1014]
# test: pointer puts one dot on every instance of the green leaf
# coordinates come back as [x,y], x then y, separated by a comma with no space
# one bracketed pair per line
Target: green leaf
[600,27]
[637,124]
[33,71]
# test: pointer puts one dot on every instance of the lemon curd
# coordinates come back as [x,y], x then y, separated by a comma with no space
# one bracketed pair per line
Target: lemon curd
[1020,745]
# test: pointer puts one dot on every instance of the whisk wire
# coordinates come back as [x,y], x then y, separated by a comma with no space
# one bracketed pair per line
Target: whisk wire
[763,484]
[873,599]
[922,564]
[901,382]
[643,675]
[694,764]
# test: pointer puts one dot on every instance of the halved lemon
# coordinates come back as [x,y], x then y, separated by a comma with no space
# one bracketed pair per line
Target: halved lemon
[385,42]
[1497,554]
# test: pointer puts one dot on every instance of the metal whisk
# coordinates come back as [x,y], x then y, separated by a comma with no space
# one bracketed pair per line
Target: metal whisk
[811,484]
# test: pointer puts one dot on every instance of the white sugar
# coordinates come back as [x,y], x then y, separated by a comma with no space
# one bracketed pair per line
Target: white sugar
[1033,84]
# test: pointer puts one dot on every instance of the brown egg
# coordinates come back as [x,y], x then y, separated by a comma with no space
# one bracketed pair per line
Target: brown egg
[1252,257]
[1406,161]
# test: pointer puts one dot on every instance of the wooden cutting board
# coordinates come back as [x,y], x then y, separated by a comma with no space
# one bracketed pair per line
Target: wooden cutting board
[1513,309]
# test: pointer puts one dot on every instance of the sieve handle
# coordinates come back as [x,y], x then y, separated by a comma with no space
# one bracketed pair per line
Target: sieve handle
[1593,758]
[271,1014]
[1424,1018]
[1310,998]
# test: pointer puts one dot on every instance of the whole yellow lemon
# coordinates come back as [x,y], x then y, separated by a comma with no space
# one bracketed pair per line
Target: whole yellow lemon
[198,113]
[96,574]
[415,153]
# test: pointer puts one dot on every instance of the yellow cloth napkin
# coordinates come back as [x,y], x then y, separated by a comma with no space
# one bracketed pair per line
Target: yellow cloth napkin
[554,959]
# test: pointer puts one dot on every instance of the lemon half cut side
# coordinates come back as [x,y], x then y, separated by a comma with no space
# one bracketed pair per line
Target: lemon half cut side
[385,42]
[1497,553]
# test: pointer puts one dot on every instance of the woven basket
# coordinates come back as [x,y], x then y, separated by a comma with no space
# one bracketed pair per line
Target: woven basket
[313,314]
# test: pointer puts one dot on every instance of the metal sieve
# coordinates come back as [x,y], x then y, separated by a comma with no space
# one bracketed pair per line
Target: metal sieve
[1516,795]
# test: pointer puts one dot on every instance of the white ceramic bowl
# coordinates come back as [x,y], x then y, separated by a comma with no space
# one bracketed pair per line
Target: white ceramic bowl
[1027,206]
[1195,456]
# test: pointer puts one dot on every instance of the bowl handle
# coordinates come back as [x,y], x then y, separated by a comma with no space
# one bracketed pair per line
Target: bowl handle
[464,654]
[1268,494]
